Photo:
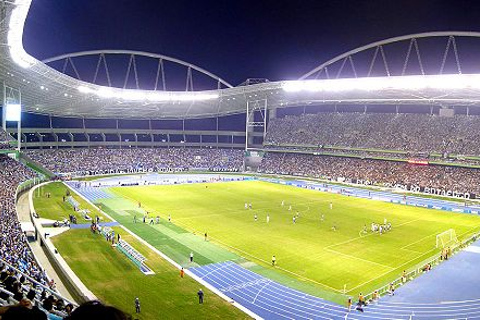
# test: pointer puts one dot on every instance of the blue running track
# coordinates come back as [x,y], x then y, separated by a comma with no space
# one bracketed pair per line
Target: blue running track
[87,225]
[91,193]
[271,300]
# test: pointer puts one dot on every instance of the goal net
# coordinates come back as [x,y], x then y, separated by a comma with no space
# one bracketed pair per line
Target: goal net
[446,239]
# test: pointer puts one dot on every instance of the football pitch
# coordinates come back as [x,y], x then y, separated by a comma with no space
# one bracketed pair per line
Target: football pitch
[310,250]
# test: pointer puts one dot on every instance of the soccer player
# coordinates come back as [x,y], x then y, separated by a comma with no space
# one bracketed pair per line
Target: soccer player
[283,203]
[290,208]
[169,218]
[334,227]
[274,260]
[361,299]
[191,256]
[158,219]
[349,304]
[294,219]
[268,218]
[250,206]
[331,205]
[391,289]
[135,218]
[255,217]
[206,236]
[246,206]
[365,229]
[322,217]
[182,273]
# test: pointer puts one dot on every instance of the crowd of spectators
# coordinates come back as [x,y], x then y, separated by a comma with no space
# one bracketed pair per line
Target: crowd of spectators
[13,242]
[21,278]
[426,133]
[77,160]
[18,289]
[379,172]
[4,140]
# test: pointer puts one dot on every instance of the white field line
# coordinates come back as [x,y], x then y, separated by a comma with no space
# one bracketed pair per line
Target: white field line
[370,234]
[408,245]
[268,263]
[279,268]
[402,265]
[359,259]
[385,273]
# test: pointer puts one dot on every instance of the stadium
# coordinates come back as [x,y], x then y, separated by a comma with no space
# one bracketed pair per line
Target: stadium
[165,192]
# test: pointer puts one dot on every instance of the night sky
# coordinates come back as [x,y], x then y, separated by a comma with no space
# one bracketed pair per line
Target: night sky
[237,39]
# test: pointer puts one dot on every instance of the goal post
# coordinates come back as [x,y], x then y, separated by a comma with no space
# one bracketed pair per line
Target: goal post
[446,239]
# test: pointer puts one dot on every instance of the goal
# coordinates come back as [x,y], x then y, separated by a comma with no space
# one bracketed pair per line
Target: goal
[446,239]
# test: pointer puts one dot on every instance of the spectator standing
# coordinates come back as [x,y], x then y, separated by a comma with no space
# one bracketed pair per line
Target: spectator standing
[200,296]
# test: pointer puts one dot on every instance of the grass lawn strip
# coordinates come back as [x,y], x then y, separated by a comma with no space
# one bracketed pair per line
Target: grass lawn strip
[55,208]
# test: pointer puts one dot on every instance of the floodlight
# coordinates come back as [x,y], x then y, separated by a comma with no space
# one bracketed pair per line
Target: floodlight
[13,112]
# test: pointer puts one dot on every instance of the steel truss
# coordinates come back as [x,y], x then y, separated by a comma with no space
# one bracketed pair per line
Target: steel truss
[255,109]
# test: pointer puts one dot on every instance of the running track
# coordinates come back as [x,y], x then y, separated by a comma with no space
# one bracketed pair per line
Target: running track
[271,300]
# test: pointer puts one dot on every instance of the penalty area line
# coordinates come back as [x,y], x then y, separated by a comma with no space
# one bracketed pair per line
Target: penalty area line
[404,264]
[360,259]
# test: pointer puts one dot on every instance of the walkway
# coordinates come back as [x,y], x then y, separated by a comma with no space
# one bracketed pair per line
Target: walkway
[23,210]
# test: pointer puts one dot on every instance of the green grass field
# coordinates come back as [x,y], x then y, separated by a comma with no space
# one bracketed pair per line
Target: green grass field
[308,251]
[115,280]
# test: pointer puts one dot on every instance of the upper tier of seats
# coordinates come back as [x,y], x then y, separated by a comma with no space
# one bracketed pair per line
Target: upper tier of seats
[78,160]
[406,132]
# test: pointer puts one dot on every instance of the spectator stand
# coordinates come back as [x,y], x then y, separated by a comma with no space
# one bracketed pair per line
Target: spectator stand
[5,140]
[30,283]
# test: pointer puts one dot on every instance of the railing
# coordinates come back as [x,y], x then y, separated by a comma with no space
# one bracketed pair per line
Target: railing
[29,184]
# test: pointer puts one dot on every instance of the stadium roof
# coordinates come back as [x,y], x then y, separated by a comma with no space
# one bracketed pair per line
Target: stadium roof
[48,91]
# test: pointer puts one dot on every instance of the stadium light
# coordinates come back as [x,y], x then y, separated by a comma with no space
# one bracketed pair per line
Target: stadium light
[15,33]
[13,112]
[105,93]
[447,81]
[143,95]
